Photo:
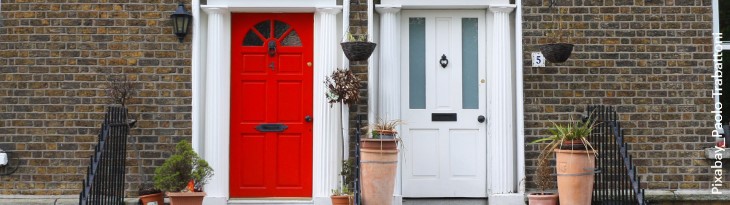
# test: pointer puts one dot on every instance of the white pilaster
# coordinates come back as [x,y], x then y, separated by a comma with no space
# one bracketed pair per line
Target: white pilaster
[326,122]
[217,102]
[388,83]
[389,71]
[198,65]
[502,181]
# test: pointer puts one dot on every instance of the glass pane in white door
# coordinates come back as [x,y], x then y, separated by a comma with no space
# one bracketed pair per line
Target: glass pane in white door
[470,63]
[417,62]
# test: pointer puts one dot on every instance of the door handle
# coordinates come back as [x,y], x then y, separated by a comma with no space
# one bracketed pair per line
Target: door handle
[308,118]
[481,118]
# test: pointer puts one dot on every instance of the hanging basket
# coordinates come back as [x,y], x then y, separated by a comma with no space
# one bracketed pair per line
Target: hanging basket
[556,52]
[358,51]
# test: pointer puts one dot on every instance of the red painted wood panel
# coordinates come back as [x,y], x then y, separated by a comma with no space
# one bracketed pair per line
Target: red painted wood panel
[271,164]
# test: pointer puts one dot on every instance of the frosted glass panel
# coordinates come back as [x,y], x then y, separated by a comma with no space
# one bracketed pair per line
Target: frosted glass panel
[469,72]
[417,62]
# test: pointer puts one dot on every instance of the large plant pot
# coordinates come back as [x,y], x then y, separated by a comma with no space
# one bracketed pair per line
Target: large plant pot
[543,199]
[186,198]
[358,51]
[152,199]
[378,159]
[556,52]
[575,170]
[342,200]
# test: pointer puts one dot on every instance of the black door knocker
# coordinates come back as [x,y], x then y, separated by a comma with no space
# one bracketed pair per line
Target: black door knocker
[272,48]
[444,62]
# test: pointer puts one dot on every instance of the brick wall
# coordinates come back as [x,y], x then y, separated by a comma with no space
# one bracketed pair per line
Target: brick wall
[359,27]
[651,59]
[55,58]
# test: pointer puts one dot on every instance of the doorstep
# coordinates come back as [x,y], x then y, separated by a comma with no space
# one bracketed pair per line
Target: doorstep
[272,201]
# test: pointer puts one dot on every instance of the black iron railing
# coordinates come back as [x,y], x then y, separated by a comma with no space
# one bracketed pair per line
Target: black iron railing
[616,181]
[104,182]
[358,134]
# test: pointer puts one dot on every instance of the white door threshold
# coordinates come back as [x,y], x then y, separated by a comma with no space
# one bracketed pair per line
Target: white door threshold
[277,201]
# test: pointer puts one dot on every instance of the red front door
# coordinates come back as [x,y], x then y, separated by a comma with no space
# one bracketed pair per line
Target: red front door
[271,105]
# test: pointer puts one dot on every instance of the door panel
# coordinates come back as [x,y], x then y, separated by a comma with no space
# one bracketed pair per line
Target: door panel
[443,158]
[271,84]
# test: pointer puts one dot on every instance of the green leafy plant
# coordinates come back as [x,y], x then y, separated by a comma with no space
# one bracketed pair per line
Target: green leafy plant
[560,133]
[352,38]
[383,126]
[576,130]
[182,167]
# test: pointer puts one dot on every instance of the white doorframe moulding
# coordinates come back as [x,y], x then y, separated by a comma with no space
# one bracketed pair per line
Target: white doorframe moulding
[211,92]
[217,102]
[502,161]
[505,129]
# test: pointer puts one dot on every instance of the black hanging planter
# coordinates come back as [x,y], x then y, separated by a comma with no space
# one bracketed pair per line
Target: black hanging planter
[556,52]
[358,51]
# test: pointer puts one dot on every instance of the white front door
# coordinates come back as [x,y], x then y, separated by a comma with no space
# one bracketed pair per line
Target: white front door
[444,98]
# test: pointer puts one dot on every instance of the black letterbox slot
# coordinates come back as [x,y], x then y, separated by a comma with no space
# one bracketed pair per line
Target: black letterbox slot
[443,116]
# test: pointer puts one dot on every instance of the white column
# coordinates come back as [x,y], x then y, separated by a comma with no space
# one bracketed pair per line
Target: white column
[345,65]
[372,69]
[326,122]
[389,71]
[389,75]
[502,156]
[217,102]
[200,29]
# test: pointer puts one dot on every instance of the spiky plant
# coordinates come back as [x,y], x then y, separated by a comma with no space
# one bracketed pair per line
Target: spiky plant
[575,130]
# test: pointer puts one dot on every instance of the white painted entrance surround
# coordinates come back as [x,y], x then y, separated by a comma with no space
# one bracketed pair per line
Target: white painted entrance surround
[504,108]
[443,158]
[211,88]
[211,92]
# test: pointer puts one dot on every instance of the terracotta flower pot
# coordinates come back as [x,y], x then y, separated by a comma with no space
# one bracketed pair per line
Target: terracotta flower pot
[575,170]
[543,199]
[152,199]
[379,159]
[186,198]
[342,200]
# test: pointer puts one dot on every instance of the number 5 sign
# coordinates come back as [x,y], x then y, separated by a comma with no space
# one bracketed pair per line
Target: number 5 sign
[538,60]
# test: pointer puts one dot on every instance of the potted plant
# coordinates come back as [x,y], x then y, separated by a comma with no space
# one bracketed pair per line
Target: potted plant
[560,50]
[344,195]
[543,180]
[148,195]
[357,49]
[385,129]
[341,196]
[343,86]
[183,175]
[574,160]
[379,159]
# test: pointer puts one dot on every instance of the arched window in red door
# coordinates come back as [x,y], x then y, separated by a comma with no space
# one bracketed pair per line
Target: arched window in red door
[261,32]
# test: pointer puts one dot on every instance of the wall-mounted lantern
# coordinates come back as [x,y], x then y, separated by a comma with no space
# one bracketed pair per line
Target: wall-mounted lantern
[181,21]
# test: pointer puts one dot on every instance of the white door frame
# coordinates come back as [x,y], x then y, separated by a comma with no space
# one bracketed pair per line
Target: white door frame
[467,118]
[211,91]
[505,157]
